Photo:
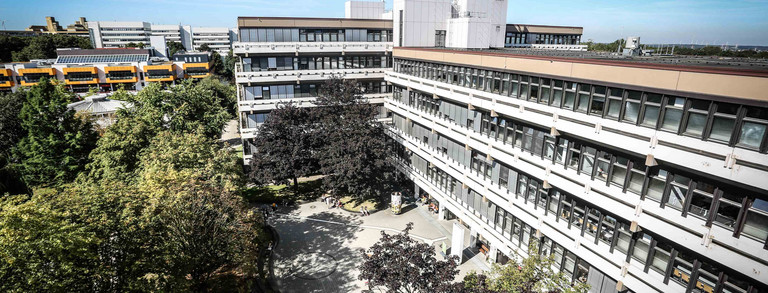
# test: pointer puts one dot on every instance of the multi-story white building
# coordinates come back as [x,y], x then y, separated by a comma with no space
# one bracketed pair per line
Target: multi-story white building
[116,34]
[217,38]
[288,59]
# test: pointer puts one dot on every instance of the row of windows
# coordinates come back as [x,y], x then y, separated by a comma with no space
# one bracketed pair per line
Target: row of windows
[315,63]
[592,223]
[80,76]
[712,202]
[733,124]
[549,39]
[314,35]
[304,90]
[253,120]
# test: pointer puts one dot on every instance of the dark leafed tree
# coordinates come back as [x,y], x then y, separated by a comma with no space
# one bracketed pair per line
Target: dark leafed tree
[10,125]
[398,263]
[174,47]
[284,148]
[353,151]
[58,142]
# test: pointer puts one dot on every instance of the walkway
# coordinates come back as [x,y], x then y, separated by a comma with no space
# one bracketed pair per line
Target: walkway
[319,249]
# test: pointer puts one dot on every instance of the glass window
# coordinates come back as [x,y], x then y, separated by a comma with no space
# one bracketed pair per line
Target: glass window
[619,171]
[636,178]
[570,98]
[701,199]
[673,114]
[756,224]
[661,257]
[678,191]
[588,160]
[652,106]
[632,107]
[656,186]
[728,210]
[753,127]
[642,246]
[724,122]
[697,118]
[603,164]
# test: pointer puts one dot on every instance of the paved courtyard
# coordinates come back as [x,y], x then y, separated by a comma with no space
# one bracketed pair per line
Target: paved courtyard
[319,248]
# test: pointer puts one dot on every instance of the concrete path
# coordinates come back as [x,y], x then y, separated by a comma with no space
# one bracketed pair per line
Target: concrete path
[320,248]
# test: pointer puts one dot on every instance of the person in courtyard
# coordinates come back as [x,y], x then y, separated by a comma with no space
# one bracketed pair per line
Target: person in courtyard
[362,211]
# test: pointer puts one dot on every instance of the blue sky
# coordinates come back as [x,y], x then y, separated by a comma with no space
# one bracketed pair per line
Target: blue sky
[742,22]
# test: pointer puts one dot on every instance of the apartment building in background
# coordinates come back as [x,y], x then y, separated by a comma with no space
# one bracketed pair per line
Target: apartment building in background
[105,70]
[288,59]
[116,34]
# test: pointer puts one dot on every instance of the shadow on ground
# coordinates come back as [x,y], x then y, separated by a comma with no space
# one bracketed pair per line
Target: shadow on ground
[312,257]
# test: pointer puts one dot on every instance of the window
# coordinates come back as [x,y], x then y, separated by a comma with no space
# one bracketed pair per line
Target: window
[632,107]
[728,210]
[588,160]
[636,178]
[701,199]
[753,128]
[584,90]
[652,107]
[724,122]
[614,103]
[656,186]
[697,118]
[673,114]
[756,224]
[439,38]
[678,191]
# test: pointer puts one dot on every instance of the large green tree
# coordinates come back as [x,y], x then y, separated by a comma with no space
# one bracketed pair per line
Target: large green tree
[285,148]
[14,48]
[10,134]
[58,141]
[533,274]
[354,152]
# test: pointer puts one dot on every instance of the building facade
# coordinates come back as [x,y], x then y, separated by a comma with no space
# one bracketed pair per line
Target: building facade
[106,70]
[544,37]
[116,34]
[637,177]
[79,28]
[288,59]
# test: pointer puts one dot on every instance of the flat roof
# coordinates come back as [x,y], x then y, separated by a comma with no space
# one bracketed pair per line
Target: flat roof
[714,64]
[545,29]
[734,80]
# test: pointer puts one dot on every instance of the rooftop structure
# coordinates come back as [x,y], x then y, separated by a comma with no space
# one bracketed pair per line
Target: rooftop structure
[100,107]
[79,28]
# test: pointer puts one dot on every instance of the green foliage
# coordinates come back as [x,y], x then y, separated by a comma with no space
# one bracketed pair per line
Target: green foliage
[400,264]
[602,47]
[188,107]
[353,147]
[57,143]
[174,47]
[38,47]
[229,67]
[204,48]
[285,147]
[532,274]
[42,249]
[10,125]
[139,45]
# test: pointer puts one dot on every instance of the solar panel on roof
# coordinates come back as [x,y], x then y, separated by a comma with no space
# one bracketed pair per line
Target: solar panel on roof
[79,59]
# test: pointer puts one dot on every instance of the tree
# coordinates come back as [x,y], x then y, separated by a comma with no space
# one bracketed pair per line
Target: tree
[58,142]
[224,93]
[229,67]
[284,150]
[534,273]
[204,48]
[174,47]
[38,47]
[354,148]
[217,65]
[10,125]
[139,45]
[41,250]
[401,264]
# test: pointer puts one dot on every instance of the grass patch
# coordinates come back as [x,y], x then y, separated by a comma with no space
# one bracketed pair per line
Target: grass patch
[309,190]
[353,205]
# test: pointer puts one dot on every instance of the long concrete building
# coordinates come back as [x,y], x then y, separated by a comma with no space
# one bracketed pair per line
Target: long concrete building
[117,34]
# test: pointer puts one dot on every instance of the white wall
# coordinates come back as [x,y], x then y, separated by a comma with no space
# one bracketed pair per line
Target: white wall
[364,9]
[480,23]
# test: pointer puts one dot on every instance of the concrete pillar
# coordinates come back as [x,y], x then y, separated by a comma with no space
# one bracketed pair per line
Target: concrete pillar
[472,237]
[492,254]
[416,191]
[441,211]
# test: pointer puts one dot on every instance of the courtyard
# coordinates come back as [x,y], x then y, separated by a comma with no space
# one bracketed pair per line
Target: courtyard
[318,249]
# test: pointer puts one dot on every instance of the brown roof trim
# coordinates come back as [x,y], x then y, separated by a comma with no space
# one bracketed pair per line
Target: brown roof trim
[312,18]
[541,25]
[688,68]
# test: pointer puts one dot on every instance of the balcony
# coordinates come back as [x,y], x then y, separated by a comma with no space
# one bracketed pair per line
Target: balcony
[309,47]
[6,78]
[306,75]
[269,104]
[80,75]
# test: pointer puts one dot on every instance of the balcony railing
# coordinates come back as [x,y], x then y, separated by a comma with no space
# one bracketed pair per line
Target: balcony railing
[309,47]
